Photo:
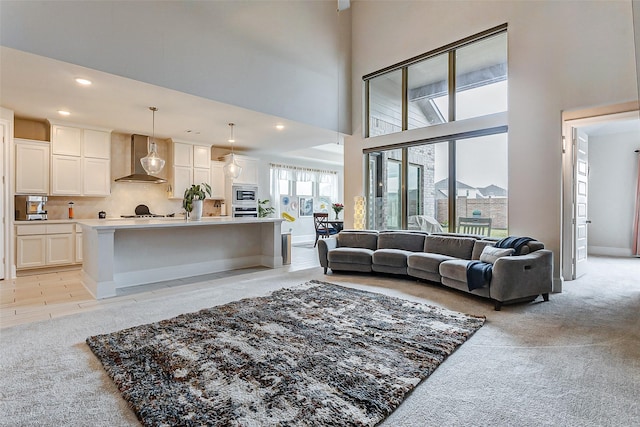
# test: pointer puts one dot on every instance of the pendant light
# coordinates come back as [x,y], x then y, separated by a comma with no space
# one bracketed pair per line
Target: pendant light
[232,169]
[152,163]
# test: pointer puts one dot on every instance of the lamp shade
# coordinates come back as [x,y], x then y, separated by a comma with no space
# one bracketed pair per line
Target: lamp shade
[152,162]
[232,169]
[359,212]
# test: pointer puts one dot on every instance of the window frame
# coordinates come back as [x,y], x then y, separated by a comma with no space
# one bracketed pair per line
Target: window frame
[482,130]
[449,49]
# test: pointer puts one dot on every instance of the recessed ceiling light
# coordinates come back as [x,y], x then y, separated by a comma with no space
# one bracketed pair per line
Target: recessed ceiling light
[64,113]
[279,127]
[83,82]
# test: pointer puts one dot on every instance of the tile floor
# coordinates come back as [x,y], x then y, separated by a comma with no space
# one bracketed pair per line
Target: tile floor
[36,297]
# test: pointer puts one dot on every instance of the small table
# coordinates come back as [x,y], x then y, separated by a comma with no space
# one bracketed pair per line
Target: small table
[338,224]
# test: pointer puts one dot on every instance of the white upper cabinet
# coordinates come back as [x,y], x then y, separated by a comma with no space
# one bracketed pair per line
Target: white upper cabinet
[66,140]
[217,180]
[191,165]
[66,176]
[182,154]
[96,177]
[201,156]
[32,167]
[96,144]
[80,161]
[249,173]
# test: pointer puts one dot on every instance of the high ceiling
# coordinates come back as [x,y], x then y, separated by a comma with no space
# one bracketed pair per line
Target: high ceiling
[37,87]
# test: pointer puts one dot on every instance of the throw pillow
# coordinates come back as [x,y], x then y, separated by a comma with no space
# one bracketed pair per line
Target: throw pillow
[490,254]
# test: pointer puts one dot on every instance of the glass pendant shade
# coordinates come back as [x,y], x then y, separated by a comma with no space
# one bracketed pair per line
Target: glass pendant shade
[232,169]
[152,163]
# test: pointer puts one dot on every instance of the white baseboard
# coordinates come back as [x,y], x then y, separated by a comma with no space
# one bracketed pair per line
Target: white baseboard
[609,251]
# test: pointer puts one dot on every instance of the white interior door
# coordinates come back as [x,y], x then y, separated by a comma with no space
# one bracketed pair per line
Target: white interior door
[581,187]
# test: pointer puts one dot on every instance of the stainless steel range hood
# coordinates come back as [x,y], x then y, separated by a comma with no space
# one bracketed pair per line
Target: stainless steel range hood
[139,147]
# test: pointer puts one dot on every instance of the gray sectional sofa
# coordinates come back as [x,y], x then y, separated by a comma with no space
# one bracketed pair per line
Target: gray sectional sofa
[444,258]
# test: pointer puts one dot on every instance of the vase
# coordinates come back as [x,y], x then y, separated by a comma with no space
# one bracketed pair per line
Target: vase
[196,212]
[337,215]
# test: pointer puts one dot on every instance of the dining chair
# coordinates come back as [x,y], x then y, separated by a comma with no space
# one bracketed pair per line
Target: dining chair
[323,229]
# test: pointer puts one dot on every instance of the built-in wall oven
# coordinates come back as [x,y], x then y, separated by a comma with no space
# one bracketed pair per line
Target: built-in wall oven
[244,201]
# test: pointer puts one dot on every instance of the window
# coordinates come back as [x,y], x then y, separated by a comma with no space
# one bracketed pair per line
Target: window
[431,183]
[428,92]
[460,81]
[289,183]
[481,77]
[385,104]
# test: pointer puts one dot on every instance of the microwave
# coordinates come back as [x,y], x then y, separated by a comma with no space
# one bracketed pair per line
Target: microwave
[29,208]
[244,194]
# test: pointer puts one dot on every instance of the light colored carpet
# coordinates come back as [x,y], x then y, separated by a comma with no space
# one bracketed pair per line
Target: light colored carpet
[573,361]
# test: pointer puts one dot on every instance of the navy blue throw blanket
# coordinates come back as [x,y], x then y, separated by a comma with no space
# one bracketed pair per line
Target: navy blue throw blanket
[478,274]
[513,242]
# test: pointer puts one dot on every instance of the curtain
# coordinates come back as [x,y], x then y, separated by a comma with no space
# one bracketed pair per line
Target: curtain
[300,174]
[636,218]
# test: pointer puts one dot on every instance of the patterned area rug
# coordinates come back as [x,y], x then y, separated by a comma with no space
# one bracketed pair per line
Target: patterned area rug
[317,354]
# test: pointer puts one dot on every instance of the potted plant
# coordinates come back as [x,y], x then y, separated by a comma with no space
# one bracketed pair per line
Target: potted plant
[192,200]
[264,211]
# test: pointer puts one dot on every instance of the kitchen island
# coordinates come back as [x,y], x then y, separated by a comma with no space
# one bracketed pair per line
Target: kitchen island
[128,252]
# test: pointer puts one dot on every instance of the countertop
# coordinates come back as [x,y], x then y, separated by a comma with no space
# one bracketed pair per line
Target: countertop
[137,223]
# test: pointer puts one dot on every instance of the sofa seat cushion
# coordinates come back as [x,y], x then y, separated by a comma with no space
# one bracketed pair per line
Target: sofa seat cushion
[455,269]
[426,261]
[350,256]
[391,257]
[456,247]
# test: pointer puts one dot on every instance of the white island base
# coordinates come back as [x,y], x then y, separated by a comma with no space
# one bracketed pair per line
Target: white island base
[122,253]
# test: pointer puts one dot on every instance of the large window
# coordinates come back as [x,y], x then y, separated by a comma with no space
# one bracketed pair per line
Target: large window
[460,81]
[478,178]
[292,186]
[440,183]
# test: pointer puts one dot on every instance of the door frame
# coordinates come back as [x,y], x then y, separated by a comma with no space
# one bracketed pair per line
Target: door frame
[570,120]
[6,217]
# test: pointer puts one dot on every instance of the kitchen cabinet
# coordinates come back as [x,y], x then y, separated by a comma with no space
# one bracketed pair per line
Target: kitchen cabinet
[78,236]
[80,161]
[217,180]
[191,165]
[66,140]
[44,245]
[30,251]
[249,173]
[66,176]
[96,177]
[32,166]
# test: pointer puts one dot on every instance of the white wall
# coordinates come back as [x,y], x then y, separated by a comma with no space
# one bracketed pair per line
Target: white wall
[562,56]
[283,58]
[613,168]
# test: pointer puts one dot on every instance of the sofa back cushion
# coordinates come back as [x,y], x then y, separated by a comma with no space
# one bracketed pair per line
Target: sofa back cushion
[531,246]
[479,246]
[407,241]
[458,247]
[367,239]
